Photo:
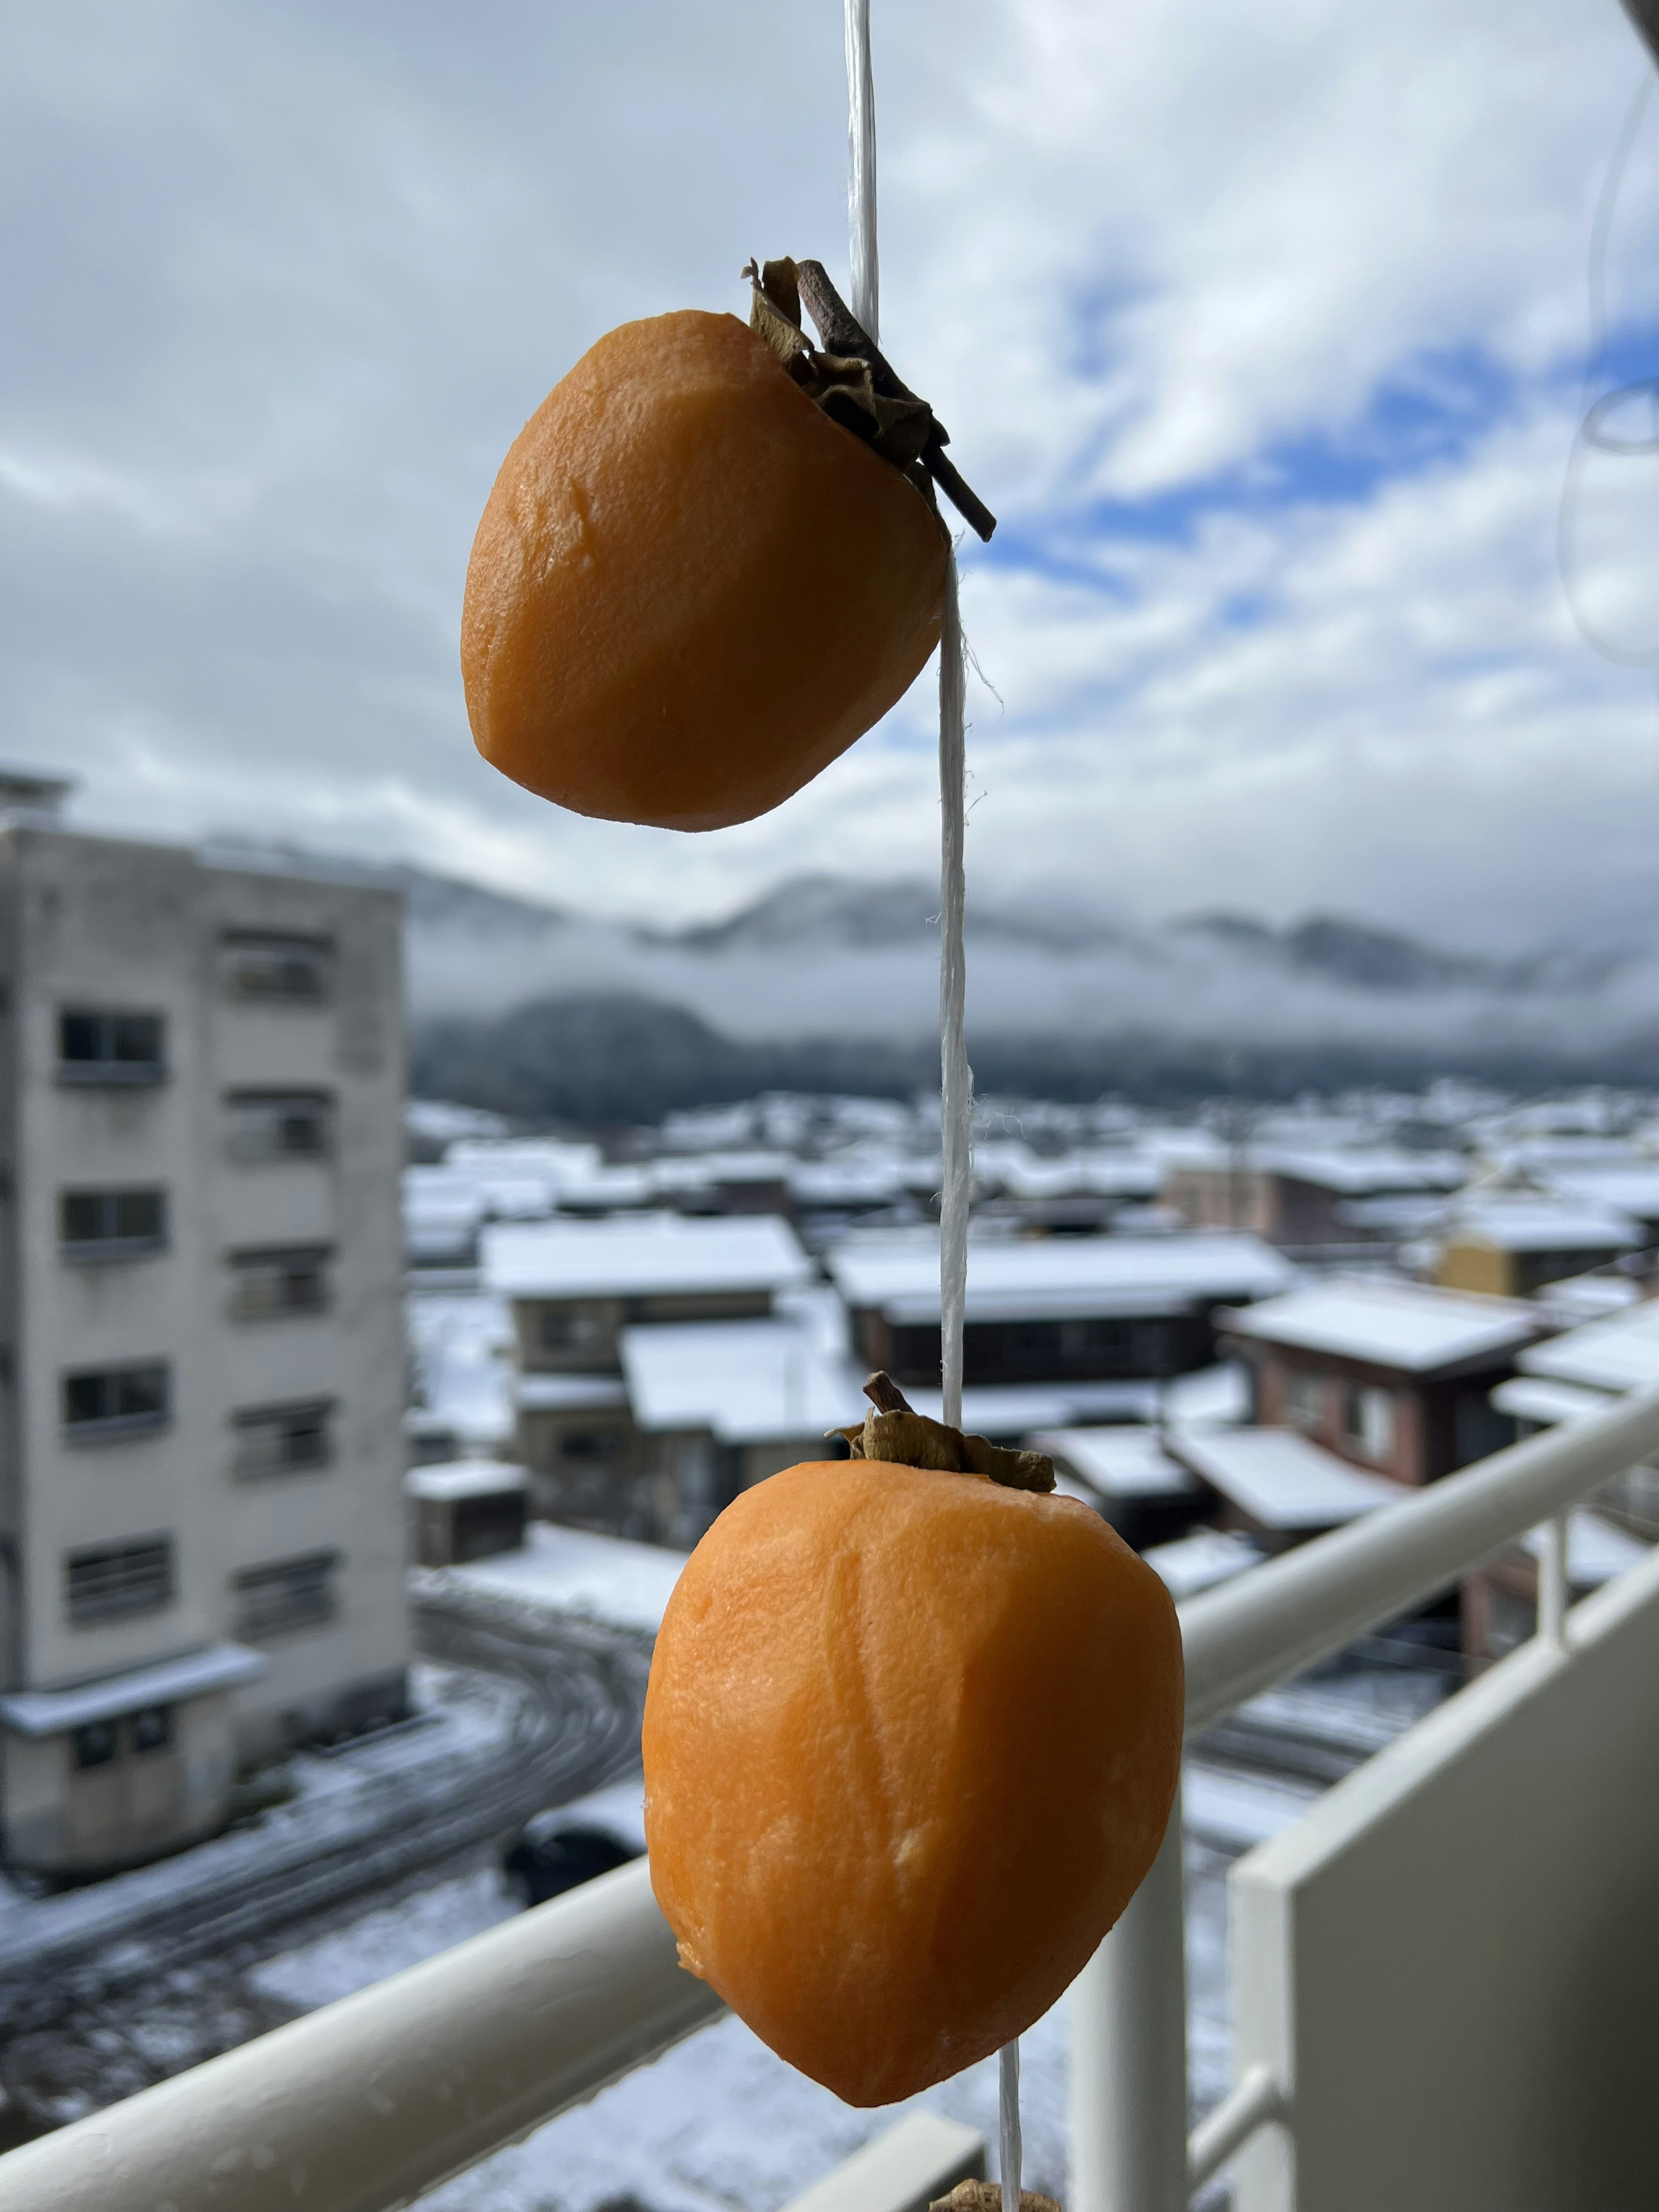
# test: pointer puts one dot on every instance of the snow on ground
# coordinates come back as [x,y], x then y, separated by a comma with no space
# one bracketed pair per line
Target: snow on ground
[567,1570]
[386,1941]
[720,2124]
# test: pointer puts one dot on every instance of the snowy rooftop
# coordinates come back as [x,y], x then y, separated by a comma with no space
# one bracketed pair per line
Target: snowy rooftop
[1619,1353]
[606,1578]
[166,1682]
[1519,1222]
[1201,1560]
[1282,1480]
[1545,1404]
[641,1254]
[1630,1188]
[1122,1462]
[1009,1409]
[896,1272]
[1366,1171]
[743,1381]
[445,1482]
[1414,1327]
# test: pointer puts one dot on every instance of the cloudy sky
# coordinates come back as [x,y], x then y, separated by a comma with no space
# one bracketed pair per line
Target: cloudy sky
[1264,331]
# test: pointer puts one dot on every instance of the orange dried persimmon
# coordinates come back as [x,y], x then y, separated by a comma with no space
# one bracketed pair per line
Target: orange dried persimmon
[911,1743]
[710,562]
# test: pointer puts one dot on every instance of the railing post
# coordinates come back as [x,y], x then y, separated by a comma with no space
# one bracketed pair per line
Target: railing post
[1553,1582]
[1127,2090]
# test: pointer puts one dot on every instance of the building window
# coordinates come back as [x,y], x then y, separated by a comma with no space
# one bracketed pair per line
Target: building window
[94,1047]
[109,1402]
[274,1285]
[97,1744]
[571,1328]
[275,971]
[590,1443]
[150,1729]
[283,1439]
[111,1224]
[278,1125]
[111,1581]
[286,1593]
[1368,1420]
[1304,1399]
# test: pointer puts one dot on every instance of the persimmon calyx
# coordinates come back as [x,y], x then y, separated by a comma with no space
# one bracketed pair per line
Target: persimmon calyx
[894,1431]
[986,2196]
[849,378]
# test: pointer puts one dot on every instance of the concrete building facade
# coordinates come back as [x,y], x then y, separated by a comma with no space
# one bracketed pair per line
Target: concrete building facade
[201,1073]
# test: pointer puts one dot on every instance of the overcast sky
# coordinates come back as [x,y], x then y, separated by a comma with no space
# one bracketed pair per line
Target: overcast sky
[1263,330]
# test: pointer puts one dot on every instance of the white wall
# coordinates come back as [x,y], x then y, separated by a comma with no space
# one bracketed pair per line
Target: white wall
[1453,1961]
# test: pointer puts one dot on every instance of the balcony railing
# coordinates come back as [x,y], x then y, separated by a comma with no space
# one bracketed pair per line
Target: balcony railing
[360,2106]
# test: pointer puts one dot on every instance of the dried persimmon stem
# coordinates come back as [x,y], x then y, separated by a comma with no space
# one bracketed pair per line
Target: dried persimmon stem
[806,283]
[884,1394]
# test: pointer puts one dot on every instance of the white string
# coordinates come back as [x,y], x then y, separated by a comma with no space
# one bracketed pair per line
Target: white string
[1008,2101]
[957,1081]
[865,302]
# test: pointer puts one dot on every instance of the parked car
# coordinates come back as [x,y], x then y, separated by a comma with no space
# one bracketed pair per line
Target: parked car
[559,1849]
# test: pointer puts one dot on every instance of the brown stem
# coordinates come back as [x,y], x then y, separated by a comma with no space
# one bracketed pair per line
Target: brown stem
[884,1394]
[841,332]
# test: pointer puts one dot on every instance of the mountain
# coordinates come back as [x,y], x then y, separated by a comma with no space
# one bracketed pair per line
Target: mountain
[829,982]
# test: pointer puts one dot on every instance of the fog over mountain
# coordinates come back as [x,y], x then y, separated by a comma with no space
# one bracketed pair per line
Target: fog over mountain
[831,982]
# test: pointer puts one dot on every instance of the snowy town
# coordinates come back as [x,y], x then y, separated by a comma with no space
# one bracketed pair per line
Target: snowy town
[456,1399]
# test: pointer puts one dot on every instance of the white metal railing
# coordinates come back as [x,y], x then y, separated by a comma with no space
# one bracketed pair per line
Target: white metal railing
[364,2105]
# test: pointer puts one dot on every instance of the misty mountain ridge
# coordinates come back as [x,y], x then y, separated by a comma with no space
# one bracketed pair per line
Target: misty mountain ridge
[831,982]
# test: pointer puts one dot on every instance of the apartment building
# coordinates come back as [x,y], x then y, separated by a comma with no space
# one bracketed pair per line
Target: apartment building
[201,1354]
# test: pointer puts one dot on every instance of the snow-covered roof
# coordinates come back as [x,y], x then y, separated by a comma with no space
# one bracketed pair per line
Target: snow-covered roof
[570,1570]
[1125,1463]
[167,1682]
[1415,1327]
[1201,1560]
[1115,1173]
[449,1480]
[1366,1171]
[1009,1409]
[639,1254]
[1620,1353]
[1054,1278]
[1597,1549]
[1545,1404]
[569,1393]
[1631,1190]
[1578,1298]
[462,1342]
[1282,1480]
[743,1381]
[1219,1394]
[1519,1223]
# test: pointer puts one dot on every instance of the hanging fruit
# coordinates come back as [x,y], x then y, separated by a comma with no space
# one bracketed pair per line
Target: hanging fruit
[911,1742]
[711,561]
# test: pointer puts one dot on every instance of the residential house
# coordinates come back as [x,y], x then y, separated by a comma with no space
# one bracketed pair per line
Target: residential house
[1391,1376]
[1059,1329]
[1509,1243]
[1302,1197]
[576,1289]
